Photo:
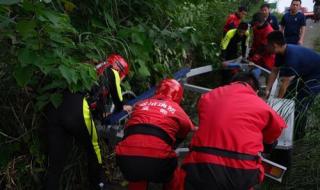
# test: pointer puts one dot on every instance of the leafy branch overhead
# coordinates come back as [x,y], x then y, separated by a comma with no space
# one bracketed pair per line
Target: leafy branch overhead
[54,40]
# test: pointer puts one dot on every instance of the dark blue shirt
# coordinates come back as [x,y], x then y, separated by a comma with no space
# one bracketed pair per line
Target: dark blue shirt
[292,25]
[301,62]
[273,21]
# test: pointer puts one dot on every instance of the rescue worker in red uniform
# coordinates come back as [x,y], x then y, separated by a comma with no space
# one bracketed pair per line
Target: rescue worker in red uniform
[233,125]
[156,126]
[72,119]
[234,19]
[259,53]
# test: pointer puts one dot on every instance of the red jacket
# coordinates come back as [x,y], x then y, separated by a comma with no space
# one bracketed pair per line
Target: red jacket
[234,118]
[164,114]
[233,21]
[259,54]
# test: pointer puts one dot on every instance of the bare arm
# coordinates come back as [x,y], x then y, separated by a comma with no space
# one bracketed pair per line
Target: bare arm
[302,32]
[285,82]
[272,77]
[281,29]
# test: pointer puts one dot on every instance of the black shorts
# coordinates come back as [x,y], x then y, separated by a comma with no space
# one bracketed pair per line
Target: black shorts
[136,168]
[211,176]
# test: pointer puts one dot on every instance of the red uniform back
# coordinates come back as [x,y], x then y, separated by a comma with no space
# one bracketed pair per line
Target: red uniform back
[234,118]
[165,114]
[233,21]
[259,54]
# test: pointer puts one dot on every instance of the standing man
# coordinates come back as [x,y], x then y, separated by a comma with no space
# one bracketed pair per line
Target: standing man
[295,64]
[234,124]
[316,10]
[146,152]
[270,18]
[293,24]
[234,19]
[72,120]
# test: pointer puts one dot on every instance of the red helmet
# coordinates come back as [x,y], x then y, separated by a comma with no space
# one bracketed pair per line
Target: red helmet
[171,89]
[117,62]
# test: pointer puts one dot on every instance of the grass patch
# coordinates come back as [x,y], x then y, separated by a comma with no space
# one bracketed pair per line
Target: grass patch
[305,171]
[317,44]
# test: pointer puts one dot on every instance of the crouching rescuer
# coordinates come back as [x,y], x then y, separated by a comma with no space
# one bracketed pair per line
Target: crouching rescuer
[156,126]
[74,119]
[234,124]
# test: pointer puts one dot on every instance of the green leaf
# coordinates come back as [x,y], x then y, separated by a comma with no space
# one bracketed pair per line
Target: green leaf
[9,2]
[25,56]
[52,17]
[56,99]
[28,6]
[92,72]
[194,39]
[68,73]
[53,85]
[4,20]
[124,33]
[184,53]
[140,51]
[126,85]
[158,67]
[109,20]
[26,28]
[62,39]
[61,22]
[42,101]
[35,44]
[88,76]
[96,23]
[44,63]
[138,37]
[23,75]
[143,70]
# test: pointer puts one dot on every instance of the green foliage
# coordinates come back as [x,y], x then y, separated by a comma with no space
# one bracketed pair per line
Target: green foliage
[317,44]
[48,47]
[48,53]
